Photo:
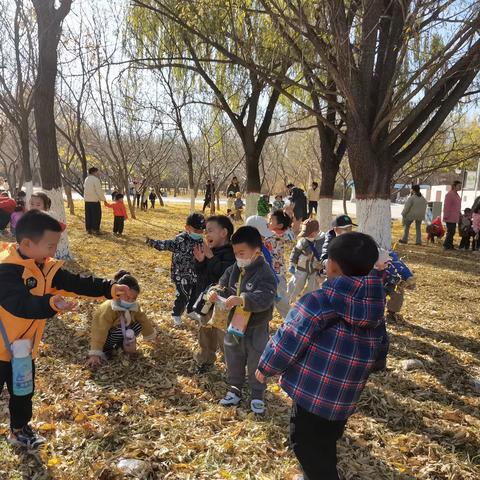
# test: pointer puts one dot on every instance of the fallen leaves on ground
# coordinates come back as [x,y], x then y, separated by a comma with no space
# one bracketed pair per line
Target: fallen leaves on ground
[418,424]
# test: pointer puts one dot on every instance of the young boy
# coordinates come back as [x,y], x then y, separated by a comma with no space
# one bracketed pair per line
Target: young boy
[278,203]
[231,205]
[30,280]
[342,224]
[119,214]
[326,350]
[239,206]
[212,259]
[249,287]
[183,272]
[465,229]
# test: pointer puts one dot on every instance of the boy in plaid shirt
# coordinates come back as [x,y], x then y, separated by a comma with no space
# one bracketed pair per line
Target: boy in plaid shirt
[326,350]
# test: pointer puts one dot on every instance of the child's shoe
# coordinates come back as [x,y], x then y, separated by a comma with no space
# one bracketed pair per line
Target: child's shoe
[230,399]
[27,438]
[194,316]
[177,321]
[257,406]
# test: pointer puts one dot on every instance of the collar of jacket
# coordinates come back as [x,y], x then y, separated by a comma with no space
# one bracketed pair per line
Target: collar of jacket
[255,264]
[9,253]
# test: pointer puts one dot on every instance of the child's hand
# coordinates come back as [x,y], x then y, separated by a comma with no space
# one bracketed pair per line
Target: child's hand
[149,241]
[208,251]
[64,305]
[199,253]
[94,361]
[260,376]
[212,296]
[121,291]
[233,301]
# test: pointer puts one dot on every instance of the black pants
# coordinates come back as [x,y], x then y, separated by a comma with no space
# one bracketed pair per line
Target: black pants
[138,200]
[206,203]
[312,205]
[451,229]
[314,442]
[20,407]
[4,219]
[185,298]
[115,337]
[93,216]
[465,242]
[152,203]
[118,224]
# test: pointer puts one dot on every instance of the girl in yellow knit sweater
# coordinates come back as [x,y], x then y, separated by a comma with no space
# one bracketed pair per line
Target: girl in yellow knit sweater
[117,323]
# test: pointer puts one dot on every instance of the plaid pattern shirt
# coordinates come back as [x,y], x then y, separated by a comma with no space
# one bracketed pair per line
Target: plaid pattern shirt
[328,344]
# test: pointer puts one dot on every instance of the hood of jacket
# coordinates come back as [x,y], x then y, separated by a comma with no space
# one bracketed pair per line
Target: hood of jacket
[360,301]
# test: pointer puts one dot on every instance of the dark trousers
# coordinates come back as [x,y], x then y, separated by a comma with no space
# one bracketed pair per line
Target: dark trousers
[312,205]
[93,216]
[152,203]
[185,298]
[118,224]
[206,203]
[4,219]
[451,229]
[115,337]
[465,242]
[20,407]
[314,442]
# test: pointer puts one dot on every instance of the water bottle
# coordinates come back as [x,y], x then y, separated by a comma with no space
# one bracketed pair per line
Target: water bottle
[22,368]
[130,341]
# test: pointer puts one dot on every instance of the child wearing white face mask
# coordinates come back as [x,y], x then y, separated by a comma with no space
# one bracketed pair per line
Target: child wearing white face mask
[117,323]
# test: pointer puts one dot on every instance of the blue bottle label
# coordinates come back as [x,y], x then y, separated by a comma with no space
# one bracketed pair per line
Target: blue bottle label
[22,376]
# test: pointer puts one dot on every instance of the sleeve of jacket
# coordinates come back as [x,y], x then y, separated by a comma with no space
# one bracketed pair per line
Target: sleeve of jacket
[295,255]
[17,300]
[84,286]
[293,337]
[148,330]
[407,207]
[162,245]
[225,280]
[99,191]
[262,297]
[103,319]
[328,238]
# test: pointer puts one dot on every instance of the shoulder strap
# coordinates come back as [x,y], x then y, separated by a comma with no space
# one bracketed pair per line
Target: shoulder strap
[3,332]
[122,325]
[314,250]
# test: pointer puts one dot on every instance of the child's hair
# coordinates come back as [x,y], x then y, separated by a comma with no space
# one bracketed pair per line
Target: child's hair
[196,220]
[21,194]
[118,196]
[34,224]
[248,235]
[355,253]
[47,203]
[224,222]
[278,197]
[122,277]
[309,226]
[467,211]
[282,218]
[20,207]
[477,208]
[238,194]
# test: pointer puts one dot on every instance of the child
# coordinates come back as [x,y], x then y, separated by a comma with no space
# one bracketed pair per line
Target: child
[326,350]
[278,203]
[263,208]
[231,205]
[17,215]
[41,201]
[112,321]
[273,251]
[250,287]
[435,229]
[119,214]
[212,259]
[476,228]
[342,224]
[305,260]
[239,205]
[183,272]
[465,229]
[30,280]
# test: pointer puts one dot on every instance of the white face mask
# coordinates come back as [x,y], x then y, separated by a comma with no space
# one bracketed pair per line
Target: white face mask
[243,262]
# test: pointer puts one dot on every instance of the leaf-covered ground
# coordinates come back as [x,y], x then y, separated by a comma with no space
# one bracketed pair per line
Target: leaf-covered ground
[422,424]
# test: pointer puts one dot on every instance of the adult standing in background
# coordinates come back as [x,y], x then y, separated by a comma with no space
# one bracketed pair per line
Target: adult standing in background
[298,205]
[209,187]
[234,186]
[313,196]
[414,211]
[93,195]
[452,210]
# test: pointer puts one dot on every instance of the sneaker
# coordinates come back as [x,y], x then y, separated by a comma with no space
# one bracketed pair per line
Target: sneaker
[257,407]
[194,316]
[230,399]
[27,438]
[204,368]
[177,321]
[402,241]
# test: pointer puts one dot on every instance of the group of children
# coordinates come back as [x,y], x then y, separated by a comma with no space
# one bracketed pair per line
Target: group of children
[230,282]
[469,229]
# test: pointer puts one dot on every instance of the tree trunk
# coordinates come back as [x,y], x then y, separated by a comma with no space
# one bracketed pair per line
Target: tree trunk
[49,20]
[24,134]
[68,194]
[252,159]
[344,196]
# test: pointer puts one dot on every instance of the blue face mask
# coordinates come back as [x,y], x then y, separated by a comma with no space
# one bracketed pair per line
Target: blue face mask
[127,305]
[195,236]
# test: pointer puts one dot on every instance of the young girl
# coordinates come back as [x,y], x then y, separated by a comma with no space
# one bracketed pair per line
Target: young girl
[41,201]
[476,228]
[239,205]
[17,215]
[116,323]
[119,214]
[305,261]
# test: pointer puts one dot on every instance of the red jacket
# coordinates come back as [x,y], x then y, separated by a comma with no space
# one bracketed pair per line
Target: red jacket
[452,207]
[119,209]
[7,204]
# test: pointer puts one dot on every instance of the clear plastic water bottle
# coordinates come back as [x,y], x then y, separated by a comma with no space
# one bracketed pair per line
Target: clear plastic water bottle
[130,341]
[22,368]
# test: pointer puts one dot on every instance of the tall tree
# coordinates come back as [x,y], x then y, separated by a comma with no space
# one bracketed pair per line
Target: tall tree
[49,21]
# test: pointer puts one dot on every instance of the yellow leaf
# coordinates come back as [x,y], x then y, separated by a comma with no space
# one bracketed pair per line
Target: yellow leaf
[80,418]
[46,427]
[53,461]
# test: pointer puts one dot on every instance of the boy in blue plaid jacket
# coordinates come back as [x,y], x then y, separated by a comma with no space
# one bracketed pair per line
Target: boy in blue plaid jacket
[326,350]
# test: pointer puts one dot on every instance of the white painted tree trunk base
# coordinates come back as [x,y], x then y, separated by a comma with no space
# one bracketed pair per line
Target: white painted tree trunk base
[28,191]
[251,204]
[324,215]
[375,218]
[57,211]
[192,201]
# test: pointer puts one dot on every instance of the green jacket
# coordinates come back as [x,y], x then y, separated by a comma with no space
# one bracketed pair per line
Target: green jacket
[414,208]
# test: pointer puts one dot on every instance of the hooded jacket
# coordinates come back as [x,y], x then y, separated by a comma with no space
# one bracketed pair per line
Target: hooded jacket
[26,291]
[210,270]
[328,345]
[303,257]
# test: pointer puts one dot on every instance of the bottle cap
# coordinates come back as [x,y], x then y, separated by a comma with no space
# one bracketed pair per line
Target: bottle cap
[21,348]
